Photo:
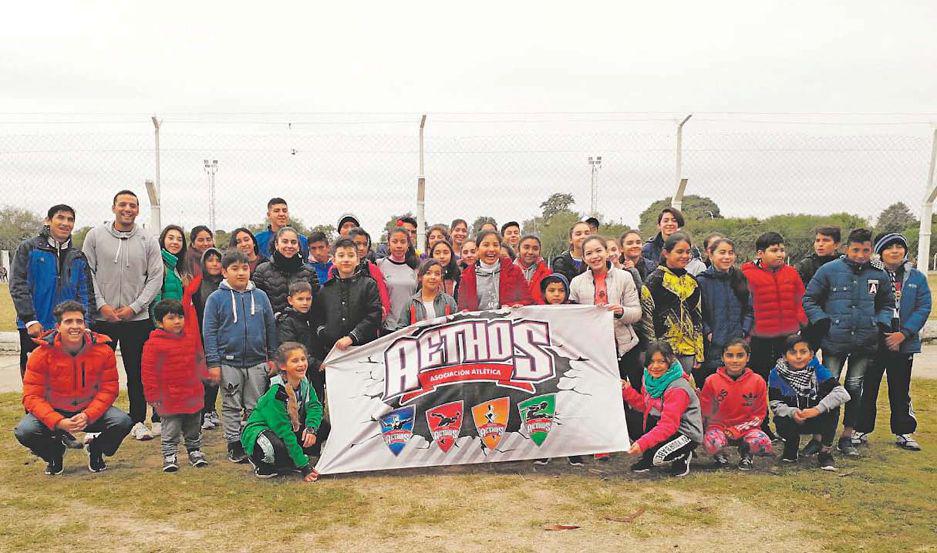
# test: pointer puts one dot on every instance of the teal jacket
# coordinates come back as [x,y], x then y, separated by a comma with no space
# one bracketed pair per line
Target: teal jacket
[271,414]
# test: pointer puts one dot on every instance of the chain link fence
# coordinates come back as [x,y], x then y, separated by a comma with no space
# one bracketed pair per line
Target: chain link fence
[501,166]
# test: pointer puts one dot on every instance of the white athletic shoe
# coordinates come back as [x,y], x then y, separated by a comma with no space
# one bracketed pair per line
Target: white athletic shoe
[141,432]
[907,441]
[860,438]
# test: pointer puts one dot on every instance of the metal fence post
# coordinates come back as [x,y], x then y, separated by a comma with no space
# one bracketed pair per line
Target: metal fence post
[927,211]
[676,201]
[421,197]
[152,188]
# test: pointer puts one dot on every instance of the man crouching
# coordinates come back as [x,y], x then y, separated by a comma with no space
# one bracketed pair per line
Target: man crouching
[70,386]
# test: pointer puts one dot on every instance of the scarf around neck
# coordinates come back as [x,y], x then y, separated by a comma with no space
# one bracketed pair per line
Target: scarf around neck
[657,386]
[288,264]
[803,382]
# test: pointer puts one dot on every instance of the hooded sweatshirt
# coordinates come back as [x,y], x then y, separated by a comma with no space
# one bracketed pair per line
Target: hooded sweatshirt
[127,268]
[734,405]
[239,328]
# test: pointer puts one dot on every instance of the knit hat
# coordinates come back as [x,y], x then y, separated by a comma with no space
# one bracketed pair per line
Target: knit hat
[345,218]
[885,241]
[555,277]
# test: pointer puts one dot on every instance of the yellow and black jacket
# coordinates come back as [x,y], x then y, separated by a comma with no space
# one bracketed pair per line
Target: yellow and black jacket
[672,311]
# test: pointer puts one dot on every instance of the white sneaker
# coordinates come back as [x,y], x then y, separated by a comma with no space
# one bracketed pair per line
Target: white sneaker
[214,418]
[156,429]
[141,432]
[907,441]
[860,438]
[207,424]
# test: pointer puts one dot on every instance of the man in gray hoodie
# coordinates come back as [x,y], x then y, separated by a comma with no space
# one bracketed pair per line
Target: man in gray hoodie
[128,273]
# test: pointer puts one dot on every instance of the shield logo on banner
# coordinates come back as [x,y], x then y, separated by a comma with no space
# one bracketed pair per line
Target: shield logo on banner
[397,428]
[537,414]
[491,418]
[444,422]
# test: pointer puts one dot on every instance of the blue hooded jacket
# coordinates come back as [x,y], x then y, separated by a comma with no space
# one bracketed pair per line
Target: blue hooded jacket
[914,308]
[856,299]
[43,276]
[239,327]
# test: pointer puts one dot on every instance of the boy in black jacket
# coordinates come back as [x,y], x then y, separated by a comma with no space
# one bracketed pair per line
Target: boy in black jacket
[347,311]
[294,325]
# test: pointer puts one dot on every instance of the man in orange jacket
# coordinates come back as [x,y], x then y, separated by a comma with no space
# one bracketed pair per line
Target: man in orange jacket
[70,386]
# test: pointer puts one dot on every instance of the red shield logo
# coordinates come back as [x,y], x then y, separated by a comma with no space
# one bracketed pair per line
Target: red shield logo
[491,419]
[444,422]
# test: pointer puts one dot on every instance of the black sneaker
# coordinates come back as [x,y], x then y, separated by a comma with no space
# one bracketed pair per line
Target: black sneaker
[170,464]
[745,456]
[790,452]
[825,459]
[681,466]
[95,459]
[236,453]
[846,448]
[56,466]
[197,459]
[575,461]
[264,470]
[720,461]
[812,448]
[643,465]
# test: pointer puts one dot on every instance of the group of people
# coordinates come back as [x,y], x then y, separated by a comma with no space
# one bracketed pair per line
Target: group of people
[709,353]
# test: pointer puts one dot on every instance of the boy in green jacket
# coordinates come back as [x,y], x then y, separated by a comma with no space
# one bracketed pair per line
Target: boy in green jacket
[286,425]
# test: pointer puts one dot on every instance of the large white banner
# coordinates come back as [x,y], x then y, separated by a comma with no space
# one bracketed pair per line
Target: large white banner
[480,387]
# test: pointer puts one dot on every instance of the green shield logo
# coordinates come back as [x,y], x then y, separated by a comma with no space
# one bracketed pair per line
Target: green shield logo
[537,414]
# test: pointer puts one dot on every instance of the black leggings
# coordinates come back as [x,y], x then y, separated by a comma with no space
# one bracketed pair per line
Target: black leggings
[824,425]
[281,455]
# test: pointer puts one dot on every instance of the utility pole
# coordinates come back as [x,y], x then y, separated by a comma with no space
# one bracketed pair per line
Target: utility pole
[596,163]
[211,167]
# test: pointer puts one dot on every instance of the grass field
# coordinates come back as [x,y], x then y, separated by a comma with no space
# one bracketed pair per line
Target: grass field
[7,313]
[883,502]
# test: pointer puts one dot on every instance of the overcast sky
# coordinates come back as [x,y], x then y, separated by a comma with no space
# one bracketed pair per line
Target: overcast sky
[179,58]
[846,56]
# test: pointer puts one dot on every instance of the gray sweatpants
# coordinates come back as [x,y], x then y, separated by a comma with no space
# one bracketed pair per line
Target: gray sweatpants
[240,389]
[176,427]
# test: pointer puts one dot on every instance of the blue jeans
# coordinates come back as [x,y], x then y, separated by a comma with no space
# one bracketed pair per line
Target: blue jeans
[858,365]
[114,425]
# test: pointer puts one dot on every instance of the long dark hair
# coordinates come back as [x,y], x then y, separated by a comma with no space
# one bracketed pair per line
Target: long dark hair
[410,257]
[180,257]
[451,270]
[196,230]
[233,241]
[672,242]
[737,280]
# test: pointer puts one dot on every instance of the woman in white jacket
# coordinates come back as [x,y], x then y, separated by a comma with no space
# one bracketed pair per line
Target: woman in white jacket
[604,284]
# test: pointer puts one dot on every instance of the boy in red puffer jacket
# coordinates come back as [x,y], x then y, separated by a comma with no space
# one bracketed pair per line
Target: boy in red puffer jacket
[777,300]
[734,402]
[172,383]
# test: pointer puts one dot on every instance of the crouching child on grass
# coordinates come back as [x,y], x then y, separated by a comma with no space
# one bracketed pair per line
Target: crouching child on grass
[286,426]
[805,398]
